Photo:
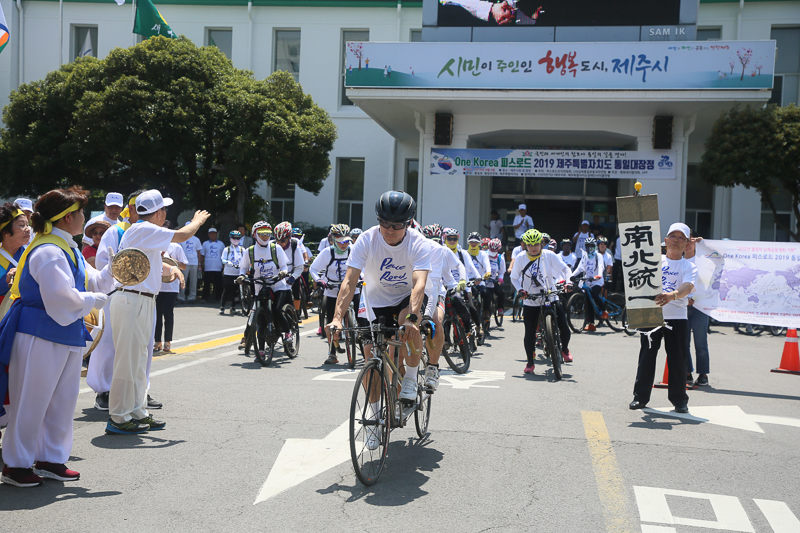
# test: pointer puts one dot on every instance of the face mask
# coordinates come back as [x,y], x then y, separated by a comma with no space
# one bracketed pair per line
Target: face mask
[492,255]
[451,245]
[262,240]
[474,249]
[235,242]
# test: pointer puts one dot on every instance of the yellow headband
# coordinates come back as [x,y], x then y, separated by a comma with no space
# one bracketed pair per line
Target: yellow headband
[48,225]
[126,213]
[17,213]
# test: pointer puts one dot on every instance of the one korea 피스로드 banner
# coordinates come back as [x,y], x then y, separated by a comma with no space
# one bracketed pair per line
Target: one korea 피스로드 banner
[652,65]
[605,164]
[749,282]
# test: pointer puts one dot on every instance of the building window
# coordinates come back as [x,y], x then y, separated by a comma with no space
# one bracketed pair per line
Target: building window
[699,202]
[777,91]
[350,192]
[348,37]
[84,41]
[709,34]
[412,178]
[222,38]
[281,205]
[287,52]
[787,63]
[416,36]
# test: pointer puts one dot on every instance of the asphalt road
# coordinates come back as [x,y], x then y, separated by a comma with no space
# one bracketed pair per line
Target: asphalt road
[505,452]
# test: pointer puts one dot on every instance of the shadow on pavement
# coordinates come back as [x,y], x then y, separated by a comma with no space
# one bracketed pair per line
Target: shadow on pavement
[122,442]
[15,498]
[653,421]
[401,483]
[751,394]
[90,414]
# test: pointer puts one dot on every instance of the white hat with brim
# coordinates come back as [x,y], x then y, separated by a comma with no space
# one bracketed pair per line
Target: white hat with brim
[680,226]
[115,198]
[24,204]
[522,207]
[212,230]
[585,222]
[151,201]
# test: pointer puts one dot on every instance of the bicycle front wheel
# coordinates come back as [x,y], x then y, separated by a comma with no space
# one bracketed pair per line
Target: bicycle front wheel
[498,318]
[616,311]
[423,413]
[291,346]
[369,423]
[576,312]
[458,354]
[777,330]
[553,351]
[516,310]
[265,345]
[350,337]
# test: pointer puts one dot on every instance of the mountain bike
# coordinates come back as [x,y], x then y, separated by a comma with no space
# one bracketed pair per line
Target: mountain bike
[375,408]
[548,325]
[577,318]
[263,332]
[456,348]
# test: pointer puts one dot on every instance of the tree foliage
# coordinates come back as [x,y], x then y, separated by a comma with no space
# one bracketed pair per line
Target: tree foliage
[758,148]
[164,114]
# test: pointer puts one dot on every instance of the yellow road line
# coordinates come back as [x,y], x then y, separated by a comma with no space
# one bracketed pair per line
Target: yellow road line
[610,485]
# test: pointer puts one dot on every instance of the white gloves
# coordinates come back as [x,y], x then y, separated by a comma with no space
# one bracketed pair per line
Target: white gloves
[100,300]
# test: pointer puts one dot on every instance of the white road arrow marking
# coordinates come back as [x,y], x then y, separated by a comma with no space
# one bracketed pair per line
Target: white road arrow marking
[302,459]
[730,416]
[472,378]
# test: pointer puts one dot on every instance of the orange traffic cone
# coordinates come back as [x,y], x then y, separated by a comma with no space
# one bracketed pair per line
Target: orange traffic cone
[665,380]
[790,361]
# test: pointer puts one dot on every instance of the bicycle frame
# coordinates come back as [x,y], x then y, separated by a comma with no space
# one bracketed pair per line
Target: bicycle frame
[611,308]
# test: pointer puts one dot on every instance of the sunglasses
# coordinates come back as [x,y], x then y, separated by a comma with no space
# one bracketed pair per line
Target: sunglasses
[452,239]
[385,224]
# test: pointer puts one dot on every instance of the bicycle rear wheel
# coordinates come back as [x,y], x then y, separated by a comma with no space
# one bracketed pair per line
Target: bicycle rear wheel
[291,346]
[777,330]
[265,344]
[553,351]
[576,312]
[458,353]
[369,424]
[498,317]
[616,311]
[516,309]
[423,413]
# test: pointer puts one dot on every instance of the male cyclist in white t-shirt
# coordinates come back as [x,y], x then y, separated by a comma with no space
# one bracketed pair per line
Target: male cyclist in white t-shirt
[395,263]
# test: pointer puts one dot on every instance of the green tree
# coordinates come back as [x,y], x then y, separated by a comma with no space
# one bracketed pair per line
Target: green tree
[758,148]
[164,114]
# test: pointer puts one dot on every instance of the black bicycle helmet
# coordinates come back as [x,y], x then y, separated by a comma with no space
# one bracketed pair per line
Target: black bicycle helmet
[396,206]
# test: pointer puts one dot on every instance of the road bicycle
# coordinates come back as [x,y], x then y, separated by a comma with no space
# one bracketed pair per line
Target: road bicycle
[263,332]
[548,325]
[577,318]
[375,408]
[756,329]
[516,308]
[493,311]
[456,348]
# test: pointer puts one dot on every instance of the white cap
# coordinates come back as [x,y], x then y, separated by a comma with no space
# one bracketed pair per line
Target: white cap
[24,204]
[680,226]
[114,198]
[522,206]
[212,230]
[151,201]
[585,222]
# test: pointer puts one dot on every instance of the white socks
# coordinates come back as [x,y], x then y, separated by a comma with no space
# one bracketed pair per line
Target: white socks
[411,372]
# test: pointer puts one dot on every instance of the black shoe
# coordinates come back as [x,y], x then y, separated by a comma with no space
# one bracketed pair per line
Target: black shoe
[152,404]
[689,378]
[636,404]
[101,401]
[331,360]
[222,310]
[683,409]
[702,380]
[131,427]
[151,423]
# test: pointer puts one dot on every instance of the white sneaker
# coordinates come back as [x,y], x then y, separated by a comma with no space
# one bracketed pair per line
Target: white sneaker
[431,377]
[373,439]
[409,390]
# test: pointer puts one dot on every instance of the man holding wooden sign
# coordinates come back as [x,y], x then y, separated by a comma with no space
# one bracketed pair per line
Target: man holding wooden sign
[677,281]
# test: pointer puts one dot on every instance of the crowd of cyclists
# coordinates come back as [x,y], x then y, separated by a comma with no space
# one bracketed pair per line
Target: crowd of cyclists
[337,277]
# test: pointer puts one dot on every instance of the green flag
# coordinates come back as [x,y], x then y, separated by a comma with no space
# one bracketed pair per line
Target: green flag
[149,21]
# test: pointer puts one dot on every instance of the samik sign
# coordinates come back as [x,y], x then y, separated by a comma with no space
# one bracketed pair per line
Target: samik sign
[640,236]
